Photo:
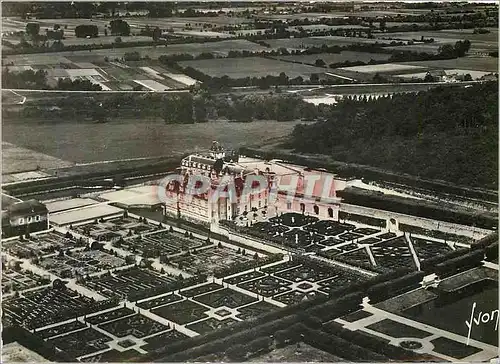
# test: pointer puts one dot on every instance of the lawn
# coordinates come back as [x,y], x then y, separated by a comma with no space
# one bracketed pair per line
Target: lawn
[453,348]
[17,159]
[251,67]
[397,330]
[83,142]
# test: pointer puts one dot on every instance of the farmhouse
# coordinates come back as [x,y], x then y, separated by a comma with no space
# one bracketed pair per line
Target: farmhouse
[24,217]
[240,185]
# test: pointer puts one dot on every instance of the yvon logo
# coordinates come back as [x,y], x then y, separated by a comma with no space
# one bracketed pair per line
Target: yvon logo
[480,318]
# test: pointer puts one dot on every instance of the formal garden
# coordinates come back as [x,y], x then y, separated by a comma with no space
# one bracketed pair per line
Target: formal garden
[136,325]
[47,306]
[129,282]
[69,264]
[82,342]
[31,245]
[210,259]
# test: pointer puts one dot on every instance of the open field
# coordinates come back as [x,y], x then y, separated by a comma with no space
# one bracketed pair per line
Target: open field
[479,42]
[302,43]
[387,68]
[486,64]
[251,67]
[431,48]
[17,159]
[81,143]
[217,48]
[337,57]
[13,24]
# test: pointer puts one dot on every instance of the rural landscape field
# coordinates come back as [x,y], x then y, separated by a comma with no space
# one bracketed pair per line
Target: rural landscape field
[251,181]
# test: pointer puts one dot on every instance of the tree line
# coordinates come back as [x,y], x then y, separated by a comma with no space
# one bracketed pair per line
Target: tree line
[444,133]
[37,80]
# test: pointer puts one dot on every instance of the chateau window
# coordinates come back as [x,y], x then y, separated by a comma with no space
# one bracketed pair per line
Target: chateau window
[260,203]
[29,219]
[37,218]
[288,205]
[21,221]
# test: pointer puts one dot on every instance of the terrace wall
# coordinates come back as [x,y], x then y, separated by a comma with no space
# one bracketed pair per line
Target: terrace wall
[429,224]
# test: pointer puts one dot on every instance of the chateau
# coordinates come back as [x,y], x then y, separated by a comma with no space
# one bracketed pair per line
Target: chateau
[240,185]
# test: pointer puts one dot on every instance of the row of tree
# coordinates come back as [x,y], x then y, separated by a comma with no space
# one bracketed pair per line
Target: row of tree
[437,134]
[37,80]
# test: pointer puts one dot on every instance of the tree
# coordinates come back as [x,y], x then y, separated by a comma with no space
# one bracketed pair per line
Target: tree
[32,29]
[132,56]
[462,47]
[468,77]
[236,352]
[84,31]
[119,27]
[156,34]
[382,25]
[118,40]
[314,78]
[319,63]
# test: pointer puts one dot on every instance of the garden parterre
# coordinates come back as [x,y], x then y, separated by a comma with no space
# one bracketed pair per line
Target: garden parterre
[80,263]
[17,280]
[136,325]
[125,282]
[208,260]
[163,242]
[51,305]
[40,244]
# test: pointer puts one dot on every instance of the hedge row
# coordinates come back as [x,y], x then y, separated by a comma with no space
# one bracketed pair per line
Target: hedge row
[486,241]
[433,233]
[222,344]
[372,221]
[373,343]
[240,327]
[340,347]
[339,307]
[168,287]
[432,210]
[459,264]
[240,267]
[429,265]
[492,252]
[388,289]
